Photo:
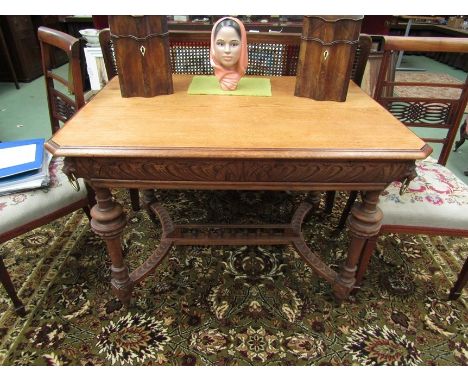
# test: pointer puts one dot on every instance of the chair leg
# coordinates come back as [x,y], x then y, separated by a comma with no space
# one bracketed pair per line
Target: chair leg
[87,212]
[367,253]
[10,289]
[462,136]
[459,143]
[349,204]
[455,292]
[329,202]
[135,199]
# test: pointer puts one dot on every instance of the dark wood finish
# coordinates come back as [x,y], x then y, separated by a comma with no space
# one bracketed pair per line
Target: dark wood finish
[108,53]
[10,289]
[361,58]
[285,24]
[463,135]
[21,40]
[207,173]
[282,49]
[326,56]
[189,53]
[59,58]
[73,24]
[417,111]
[291,25]
[61,106]
[462,279]
[163,146]
[6,55]
[142,54]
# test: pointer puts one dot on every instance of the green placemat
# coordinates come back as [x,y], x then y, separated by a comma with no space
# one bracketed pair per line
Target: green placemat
[260,87]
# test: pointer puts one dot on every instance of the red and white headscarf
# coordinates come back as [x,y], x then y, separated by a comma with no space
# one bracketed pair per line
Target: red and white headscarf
[228,78]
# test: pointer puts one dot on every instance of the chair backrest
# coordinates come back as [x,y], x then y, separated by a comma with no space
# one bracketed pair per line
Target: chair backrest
[61,106]
[361,57]
[108,53]
[428,109]
[270,54]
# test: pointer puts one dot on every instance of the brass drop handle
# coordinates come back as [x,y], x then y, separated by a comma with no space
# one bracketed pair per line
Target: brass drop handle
[73,181]
[411,174]
[142,50]
[404,185]
[325,55]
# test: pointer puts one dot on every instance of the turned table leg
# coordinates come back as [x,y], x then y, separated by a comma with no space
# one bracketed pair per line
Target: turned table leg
[364,224]
[108,221]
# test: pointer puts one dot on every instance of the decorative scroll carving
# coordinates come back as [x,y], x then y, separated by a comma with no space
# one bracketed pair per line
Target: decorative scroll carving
[201,170]
[241,234]
[420,112]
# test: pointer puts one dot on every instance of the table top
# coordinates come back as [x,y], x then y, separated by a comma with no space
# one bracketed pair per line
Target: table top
[281,126]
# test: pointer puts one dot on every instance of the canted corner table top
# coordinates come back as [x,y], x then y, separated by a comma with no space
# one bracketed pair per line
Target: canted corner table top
[283,126]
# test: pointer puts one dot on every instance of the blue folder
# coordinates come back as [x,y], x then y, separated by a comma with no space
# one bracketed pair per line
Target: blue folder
[35,165]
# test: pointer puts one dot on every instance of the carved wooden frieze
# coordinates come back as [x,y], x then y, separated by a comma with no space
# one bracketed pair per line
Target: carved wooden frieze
[239,171]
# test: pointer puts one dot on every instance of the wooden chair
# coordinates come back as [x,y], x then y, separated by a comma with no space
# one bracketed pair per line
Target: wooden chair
[61,106]
[26,210]
[463,135]
[435,201]
[108,55]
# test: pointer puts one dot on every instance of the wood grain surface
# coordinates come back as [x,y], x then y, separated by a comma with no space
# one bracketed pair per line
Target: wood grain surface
[182,125]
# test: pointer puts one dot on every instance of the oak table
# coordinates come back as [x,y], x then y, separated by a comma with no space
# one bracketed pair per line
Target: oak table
[282,142]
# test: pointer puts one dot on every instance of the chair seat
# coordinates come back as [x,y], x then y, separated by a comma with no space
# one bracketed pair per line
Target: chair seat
[436,198]
[22,208]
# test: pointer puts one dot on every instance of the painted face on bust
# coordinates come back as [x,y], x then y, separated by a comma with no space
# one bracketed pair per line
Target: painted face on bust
[227,47]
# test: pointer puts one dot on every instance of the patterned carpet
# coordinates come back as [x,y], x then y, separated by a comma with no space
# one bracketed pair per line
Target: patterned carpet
[434,92]
[230,305]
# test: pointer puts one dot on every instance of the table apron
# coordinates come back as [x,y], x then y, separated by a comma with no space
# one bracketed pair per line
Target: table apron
[238,174]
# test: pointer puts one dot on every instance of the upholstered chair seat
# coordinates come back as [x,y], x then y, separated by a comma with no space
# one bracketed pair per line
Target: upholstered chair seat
[435,198]
[23,208]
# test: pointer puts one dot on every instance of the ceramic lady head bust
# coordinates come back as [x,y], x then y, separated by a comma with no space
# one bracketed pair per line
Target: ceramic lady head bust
[228,52]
